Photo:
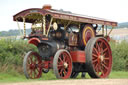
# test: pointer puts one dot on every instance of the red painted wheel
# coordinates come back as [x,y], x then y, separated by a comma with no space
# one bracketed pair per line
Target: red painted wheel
[32,65]
[62,64]
[98,58]
[87,34]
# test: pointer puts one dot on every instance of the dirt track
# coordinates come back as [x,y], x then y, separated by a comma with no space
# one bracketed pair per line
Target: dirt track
[75,82]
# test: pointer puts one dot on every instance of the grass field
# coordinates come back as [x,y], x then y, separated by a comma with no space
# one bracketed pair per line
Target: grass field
[9,77]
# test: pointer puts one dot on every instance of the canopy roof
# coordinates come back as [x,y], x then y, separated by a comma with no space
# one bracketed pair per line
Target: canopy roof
[60,14]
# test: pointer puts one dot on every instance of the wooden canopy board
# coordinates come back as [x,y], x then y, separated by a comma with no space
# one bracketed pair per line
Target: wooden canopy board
[59,14]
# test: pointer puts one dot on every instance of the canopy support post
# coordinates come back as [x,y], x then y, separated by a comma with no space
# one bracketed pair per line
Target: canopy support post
[49,25]
[110,31]
[19,27]
[24,27]
[67,25]
[44,26]
[106,30]
[103,30]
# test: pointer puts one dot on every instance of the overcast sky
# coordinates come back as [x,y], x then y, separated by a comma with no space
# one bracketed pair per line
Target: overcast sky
[115,10]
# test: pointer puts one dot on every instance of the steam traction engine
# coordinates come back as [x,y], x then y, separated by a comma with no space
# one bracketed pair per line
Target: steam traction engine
[68,43]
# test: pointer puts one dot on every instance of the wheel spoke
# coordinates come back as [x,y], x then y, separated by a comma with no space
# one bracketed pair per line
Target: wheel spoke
[104,54]
[104,62]
[61,60]
[66,61]
[98,47]
[96,50]
[38,73]
[59,66]
[106,58]
[36,61]
[94,55]
[35,74]
[97,69]
[102,72]
[101,45]
[94,61]
[104,66]
[37,70]
[61,71]
[64,57]
[65,72]
[105,50]
[30,73]
[31,60]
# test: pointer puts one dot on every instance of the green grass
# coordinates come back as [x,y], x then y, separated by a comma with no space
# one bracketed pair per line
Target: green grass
[113,74]
[4,77]
[118,74]
[15,77]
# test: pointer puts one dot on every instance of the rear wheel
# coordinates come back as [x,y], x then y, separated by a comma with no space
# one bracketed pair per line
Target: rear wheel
[62,64]
[32,65]
[98,58]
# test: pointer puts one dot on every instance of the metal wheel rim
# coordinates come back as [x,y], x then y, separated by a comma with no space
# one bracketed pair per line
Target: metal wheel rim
[102,58]
[32,65]
[63,66]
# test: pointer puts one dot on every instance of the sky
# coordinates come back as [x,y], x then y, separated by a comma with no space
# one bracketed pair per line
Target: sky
[114,10]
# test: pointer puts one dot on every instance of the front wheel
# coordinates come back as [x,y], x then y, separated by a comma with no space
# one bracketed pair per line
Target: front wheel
[98,58]
[32,65]
[62,64]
